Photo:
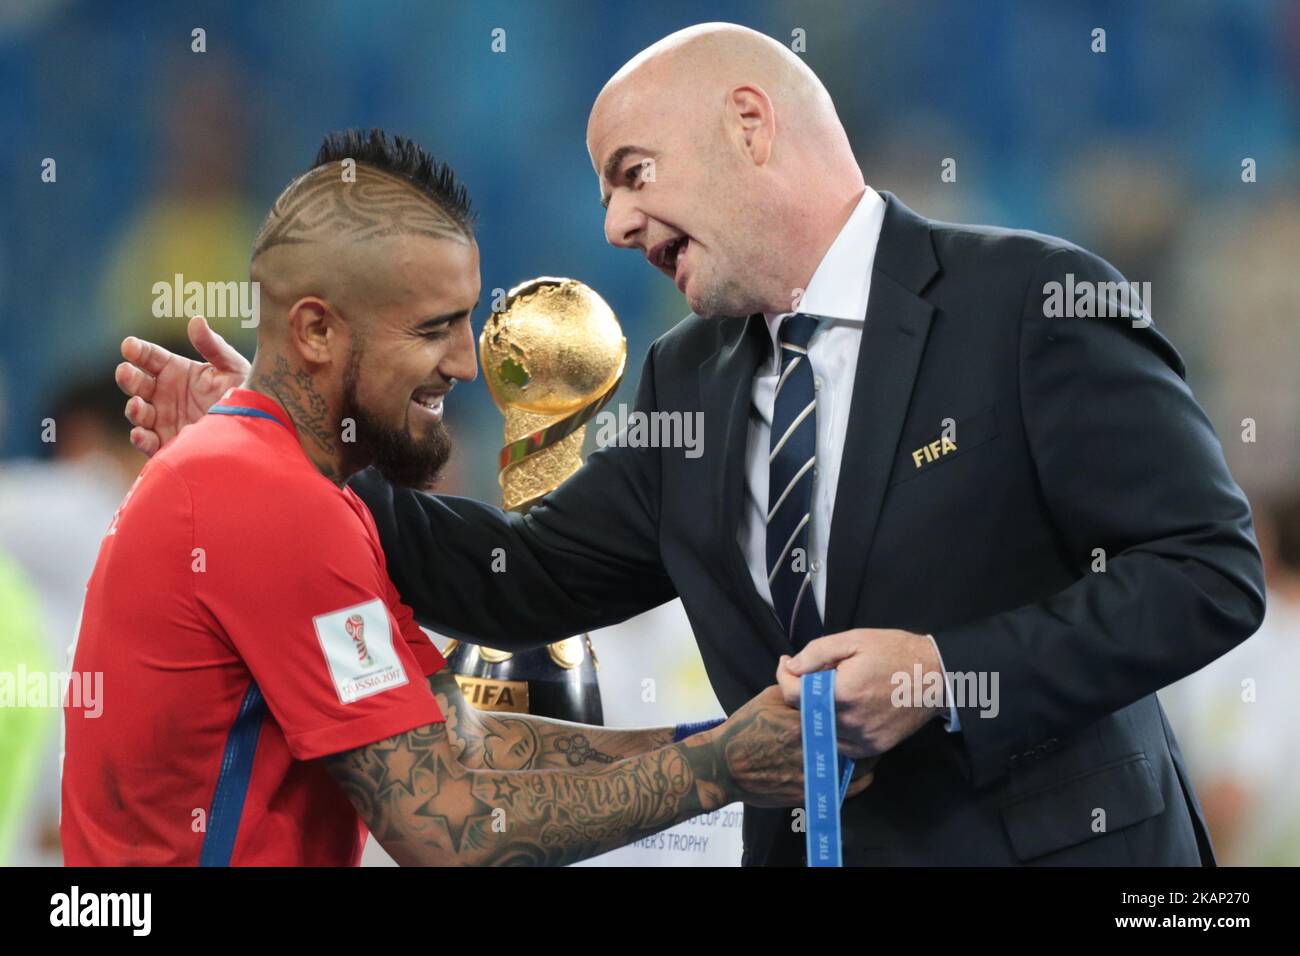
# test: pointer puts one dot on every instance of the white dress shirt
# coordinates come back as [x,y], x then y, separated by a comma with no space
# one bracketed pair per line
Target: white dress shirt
[838,292]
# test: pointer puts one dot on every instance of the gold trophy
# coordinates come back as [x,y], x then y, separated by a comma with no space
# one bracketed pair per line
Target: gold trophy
[553,356]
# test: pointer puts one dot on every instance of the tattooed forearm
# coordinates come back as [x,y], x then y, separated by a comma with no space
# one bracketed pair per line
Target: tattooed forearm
[488,741]
[577,750]
[425,807]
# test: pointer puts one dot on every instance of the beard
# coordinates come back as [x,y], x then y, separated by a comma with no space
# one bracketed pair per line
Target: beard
[400,458]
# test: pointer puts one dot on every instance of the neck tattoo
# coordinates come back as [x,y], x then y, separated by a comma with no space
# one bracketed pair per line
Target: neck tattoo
[308,409]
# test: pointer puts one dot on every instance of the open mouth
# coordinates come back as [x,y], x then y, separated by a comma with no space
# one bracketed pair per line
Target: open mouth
[669,256]
[429,402]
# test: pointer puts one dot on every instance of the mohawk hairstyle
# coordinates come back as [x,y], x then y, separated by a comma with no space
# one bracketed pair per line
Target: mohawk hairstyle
[405,158]
[403,191]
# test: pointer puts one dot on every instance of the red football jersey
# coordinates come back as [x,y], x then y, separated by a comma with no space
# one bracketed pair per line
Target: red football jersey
[241,614]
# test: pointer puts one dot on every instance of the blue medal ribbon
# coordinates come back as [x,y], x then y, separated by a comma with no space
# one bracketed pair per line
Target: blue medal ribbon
[825,783]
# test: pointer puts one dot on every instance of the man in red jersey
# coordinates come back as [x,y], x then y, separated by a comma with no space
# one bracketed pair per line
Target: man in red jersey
[265,694]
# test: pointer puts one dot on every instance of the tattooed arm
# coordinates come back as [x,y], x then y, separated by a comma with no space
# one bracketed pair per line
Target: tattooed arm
[425,808]
[482,740]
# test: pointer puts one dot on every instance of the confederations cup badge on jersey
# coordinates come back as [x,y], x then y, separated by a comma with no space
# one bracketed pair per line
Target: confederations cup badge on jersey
[358,646]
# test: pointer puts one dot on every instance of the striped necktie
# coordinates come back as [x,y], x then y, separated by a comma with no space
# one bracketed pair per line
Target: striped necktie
[790,463]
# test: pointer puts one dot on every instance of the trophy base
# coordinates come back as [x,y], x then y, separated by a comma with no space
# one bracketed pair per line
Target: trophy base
[531,682]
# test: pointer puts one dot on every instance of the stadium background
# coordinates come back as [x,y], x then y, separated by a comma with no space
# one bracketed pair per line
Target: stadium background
[167,159]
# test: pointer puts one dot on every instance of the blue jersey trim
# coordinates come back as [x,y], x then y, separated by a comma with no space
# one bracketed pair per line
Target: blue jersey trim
[243,410]
[232,782]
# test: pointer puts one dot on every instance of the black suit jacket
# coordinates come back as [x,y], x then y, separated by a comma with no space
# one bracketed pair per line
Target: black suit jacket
[1071,434]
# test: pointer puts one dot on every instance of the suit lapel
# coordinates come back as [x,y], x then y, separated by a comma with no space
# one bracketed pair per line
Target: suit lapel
[726,383]
[893,342]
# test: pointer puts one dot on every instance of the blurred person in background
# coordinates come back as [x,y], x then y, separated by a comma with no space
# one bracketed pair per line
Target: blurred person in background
[1239,718]
[53,514]
[53,511]
[198,221]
